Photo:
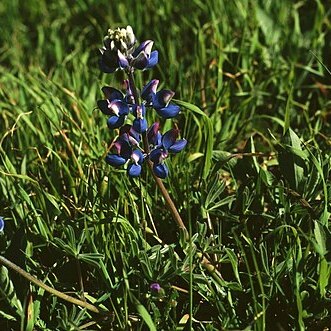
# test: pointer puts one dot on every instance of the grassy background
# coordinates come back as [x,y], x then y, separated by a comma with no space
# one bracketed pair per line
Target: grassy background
[257,70]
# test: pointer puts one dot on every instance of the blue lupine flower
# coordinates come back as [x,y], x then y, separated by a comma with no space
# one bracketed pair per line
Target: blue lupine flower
[149,90]
[124,153]
[169,144]
[143,57]
[158,156]
[153,135]
[139,123]
[130,134]
[2,224]
[160,101]
[119,52]
[115,106]
[108,62]
[137,159]
[162,105]
[155,287]
[129,98]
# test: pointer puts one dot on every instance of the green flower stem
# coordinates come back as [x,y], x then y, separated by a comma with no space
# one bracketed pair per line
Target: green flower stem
[47,288]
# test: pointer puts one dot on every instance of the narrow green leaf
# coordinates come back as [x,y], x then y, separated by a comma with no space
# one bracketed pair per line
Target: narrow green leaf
[145,316]
[7,291]
[291,160]
[208,134]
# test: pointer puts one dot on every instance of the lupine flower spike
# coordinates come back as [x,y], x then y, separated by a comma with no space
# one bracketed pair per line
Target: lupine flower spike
[121,52]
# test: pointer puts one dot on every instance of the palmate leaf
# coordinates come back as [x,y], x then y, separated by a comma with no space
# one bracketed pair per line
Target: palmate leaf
[7,291]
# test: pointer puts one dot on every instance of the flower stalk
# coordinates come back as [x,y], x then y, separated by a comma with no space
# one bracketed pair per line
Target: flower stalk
[170,204]
[121,53]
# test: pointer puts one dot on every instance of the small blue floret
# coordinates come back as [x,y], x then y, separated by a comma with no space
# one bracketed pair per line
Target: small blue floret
[2,224]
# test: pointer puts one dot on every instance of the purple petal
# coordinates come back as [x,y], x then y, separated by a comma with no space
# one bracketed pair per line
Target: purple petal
[134,170]
[115,122]
[132,136]
[137,156]
[141,61]
[155,155]
[154,128]
[129,98]
[145,46]
[155,287]
[153,60]
[140,125]
[105,68]
[122,60]
[169,138]
[160,170]
[109,61]
[177,146]
[115,160]
[112,93]
[107,42]
[139,111]
[2,224]
[153,134]
[117,146]
[168,112]
[119,107]
[126,149]
[162,98]
[158,139]
[103,106]
[149,90]
[123,147]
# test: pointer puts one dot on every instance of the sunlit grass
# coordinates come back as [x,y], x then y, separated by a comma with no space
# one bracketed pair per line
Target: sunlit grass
[253,184]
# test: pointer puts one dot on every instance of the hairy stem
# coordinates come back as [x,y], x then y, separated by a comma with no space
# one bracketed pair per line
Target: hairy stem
[47,288]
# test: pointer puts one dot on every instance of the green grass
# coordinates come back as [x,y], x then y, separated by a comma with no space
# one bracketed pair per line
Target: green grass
[253,184]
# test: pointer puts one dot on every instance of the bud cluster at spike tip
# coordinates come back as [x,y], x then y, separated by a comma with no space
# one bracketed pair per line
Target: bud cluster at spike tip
[120,51]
